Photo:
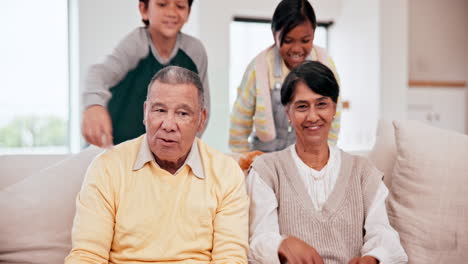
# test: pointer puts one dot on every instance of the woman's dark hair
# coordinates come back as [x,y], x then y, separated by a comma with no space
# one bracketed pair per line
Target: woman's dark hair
[291,13]
[146,22]
[318,77]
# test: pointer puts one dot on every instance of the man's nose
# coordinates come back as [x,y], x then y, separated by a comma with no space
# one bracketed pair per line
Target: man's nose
[169,123]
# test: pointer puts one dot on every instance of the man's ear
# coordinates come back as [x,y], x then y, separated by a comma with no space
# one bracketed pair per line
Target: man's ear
[201,125]
[143,10]
[144,113]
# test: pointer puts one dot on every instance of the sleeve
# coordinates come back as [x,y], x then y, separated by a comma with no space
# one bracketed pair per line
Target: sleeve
[243,112]
[381,240]
[230,238]
[336,124]
[93,226]
[265,237]
[102,76]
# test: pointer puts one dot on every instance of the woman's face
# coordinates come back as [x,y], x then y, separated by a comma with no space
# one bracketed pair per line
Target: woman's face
[311,115]
[297,44]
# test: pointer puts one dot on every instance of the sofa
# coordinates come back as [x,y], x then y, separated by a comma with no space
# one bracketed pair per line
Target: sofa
[425,168]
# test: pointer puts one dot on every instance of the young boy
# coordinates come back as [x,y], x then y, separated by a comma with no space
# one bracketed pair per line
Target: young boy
[116,88]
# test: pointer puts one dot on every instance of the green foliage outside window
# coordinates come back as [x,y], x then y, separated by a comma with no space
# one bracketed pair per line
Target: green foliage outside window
[34,131]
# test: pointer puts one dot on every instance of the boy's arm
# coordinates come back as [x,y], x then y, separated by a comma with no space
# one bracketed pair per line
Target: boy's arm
[97,124]
[231,224]
[93,226]
[102,76]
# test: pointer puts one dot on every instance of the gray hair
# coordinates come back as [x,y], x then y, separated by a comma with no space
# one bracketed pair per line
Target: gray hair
[179,75]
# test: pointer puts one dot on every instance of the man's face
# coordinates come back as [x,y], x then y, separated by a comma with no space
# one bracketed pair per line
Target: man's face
[173,117]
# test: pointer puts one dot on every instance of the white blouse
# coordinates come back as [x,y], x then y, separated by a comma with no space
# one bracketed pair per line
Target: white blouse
[380,241]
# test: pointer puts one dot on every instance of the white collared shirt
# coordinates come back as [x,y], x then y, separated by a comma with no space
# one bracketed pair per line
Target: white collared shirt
[193,159]
[380,241]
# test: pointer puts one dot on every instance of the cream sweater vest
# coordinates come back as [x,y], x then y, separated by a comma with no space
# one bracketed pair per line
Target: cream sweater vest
[337,231]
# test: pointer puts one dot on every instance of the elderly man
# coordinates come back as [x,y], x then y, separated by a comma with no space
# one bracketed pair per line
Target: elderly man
[165,197]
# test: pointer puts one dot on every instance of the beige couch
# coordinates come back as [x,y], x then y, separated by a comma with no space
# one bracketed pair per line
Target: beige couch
[426,170]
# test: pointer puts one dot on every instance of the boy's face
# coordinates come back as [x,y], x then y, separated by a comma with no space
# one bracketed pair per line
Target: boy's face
[166,17]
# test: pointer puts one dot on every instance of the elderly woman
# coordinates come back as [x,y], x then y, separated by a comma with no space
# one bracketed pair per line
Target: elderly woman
[312,202]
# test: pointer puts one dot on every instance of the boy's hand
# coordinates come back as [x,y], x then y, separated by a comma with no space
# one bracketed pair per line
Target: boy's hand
[97,126]
[296,251]
[364,260]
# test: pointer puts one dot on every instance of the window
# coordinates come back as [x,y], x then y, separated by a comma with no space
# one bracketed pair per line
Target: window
[34,101]
[248,37]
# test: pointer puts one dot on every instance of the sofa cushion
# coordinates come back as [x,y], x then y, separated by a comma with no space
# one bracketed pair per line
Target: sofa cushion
[37,213]
[14,169]
[428,205]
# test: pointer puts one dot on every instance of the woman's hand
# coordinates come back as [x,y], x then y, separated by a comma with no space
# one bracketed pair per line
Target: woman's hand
[97,126]
[364,260]
[296,251]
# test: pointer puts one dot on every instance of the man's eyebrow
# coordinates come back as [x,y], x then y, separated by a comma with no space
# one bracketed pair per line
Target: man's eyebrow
[185,107]
[156,104]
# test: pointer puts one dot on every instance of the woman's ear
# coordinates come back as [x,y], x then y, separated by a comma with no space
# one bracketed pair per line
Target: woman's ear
[287,108]
[334,109]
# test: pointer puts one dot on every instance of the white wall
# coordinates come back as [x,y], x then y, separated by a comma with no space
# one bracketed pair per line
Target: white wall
[354,40]
[394,58]
[438,42]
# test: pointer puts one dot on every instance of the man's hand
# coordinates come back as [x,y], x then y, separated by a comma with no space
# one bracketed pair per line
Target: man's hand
[97,126]
[296,251]
[364,260]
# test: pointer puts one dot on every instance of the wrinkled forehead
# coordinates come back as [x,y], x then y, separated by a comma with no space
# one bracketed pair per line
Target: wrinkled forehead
[173,94]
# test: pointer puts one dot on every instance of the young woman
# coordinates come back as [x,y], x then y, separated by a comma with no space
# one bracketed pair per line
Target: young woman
[258,101]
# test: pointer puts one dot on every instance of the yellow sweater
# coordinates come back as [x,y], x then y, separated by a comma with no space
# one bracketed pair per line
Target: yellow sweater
[129,211]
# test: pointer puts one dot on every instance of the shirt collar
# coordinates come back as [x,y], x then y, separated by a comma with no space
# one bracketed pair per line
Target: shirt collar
[193,159]
[304,167]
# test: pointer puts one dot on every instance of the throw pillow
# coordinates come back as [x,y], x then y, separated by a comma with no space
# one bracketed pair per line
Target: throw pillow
[428,204]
